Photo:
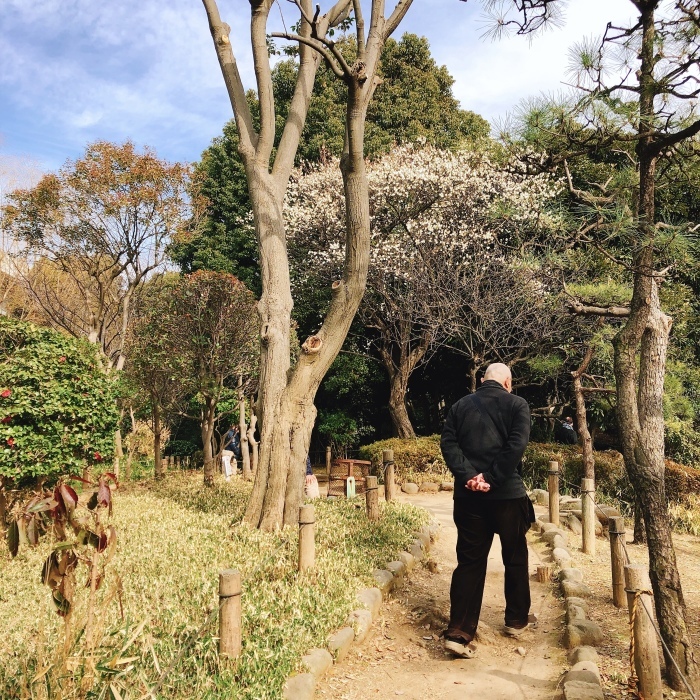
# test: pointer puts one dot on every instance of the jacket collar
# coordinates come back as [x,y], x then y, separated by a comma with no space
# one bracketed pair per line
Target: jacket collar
[491,384]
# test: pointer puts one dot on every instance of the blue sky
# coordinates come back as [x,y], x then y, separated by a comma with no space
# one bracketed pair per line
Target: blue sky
[72,71]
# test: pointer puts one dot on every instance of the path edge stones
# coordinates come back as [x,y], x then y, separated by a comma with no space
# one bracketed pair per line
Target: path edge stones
[581,635]
[317,661]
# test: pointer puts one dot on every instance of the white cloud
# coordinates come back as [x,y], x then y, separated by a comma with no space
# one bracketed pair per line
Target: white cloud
[75,70]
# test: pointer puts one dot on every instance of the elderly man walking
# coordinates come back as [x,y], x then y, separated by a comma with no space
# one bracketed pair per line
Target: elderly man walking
[483,442]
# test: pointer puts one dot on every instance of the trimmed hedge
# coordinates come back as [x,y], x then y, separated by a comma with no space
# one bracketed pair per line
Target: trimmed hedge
[416,460]
[420,460]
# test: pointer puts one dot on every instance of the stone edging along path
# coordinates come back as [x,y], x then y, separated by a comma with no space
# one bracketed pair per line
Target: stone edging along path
[318,661]
[581,636]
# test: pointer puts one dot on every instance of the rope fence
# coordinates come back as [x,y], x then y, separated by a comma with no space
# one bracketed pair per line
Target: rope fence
[636,587]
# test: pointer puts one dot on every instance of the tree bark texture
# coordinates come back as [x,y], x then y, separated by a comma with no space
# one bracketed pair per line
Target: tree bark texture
[243,432]
[645,336]
[397,405]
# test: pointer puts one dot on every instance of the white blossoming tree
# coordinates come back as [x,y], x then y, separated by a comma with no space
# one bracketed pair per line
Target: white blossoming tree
[441,223]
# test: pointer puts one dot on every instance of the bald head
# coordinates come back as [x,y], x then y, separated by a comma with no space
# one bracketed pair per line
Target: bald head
[499,373]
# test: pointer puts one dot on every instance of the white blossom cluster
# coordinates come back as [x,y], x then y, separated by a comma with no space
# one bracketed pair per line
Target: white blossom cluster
[428,207]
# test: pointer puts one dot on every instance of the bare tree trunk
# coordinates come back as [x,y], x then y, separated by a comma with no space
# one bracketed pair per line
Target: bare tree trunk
[130,449]
[582,417]
[397,405]
[158,470]
[207,429]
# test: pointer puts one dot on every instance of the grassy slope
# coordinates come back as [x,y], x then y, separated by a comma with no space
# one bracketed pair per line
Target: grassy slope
[173,539]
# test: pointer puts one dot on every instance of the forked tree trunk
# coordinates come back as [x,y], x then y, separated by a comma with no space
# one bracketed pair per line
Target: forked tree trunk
[285,407]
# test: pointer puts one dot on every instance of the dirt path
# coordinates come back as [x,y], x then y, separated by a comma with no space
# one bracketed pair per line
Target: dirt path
[403,656]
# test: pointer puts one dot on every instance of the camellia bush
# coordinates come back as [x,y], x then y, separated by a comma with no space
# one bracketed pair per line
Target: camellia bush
[57,405]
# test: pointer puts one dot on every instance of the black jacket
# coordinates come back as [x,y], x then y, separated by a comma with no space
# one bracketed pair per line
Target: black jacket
[472,444]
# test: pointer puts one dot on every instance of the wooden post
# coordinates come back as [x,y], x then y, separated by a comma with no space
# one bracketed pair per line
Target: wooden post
[372,495]
[554,492]
[544,573]
[307,546]
[646,651]
[389,486]
[588,515]
[230,613]
[328,463]
[616,528]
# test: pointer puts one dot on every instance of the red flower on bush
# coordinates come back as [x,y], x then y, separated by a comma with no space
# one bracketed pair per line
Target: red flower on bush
[6,419]
[62,358]
[97,457]
[11,441]
[6,394]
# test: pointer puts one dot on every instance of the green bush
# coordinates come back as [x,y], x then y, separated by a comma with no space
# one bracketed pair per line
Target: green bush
[415,460]
[57,405]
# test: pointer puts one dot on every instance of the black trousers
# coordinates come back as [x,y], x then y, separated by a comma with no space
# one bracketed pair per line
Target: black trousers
[477,521]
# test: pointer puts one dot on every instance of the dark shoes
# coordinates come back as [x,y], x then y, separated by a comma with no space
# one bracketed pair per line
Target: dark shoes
[517,631]
[460,647]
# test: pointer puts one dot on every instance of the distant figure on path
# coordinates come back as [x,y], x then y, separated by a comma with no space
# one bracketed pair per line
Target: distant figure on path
[483,442]
[565,432]
[232,448]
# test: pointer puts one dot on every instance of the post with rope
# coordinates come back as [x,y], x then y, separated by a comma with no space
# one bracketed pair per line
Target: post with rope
[588,516]
[372,498]
[307,545]
[554,492]
[230,614]
[644,653]
[388,465]
[616,528]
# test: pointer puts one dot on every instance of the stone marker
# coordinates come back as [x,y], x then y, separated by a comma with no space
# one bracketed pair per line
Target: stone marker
[339,643]
[409,488]
[300,687]
[318,661]
[583,633]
